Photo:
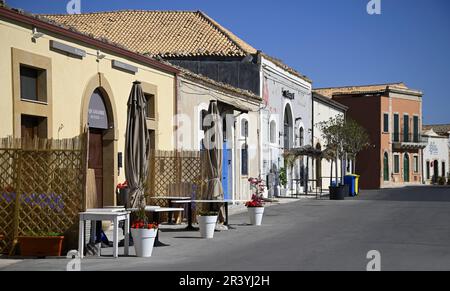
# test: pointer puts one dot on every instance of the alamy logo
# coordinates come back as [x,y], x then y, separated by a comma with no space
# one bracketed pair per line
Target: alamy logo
[74,7]
[375,261]
[75,262]
[374,7]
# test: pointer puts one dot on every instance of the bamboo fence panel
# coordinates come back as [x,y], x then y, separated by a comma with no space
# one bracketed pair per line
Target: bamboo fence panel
[176,174]
[41,187]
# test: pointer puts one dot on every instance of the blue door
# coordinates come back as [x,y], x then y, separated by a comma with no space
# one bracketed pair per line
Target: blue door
[226,172]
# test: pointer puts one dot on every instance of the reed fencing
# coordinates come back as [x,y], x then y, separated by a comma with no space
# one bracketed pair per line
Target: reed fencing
[41,188]
[177,174]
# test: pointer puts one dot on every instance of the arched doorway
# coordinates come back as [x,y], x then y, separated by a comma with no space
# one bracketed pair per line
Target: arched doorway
[386,167]
[99,120]
[288,127]
[406,168]
[98,123]
[435,171]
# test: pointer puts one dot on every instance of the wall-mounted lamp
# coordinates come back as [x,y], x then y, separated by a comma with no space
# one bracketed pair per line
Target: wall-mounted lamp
[36,34]
[100,56]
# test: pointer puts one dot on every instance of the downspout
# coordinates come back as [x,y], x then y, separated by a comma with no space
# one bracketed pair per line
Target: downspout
[175,90]
[312,139]
[235,157]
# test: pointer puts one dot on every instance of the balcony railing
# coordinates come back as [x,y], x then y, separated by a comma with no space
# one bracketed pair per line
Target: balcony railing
[401,137]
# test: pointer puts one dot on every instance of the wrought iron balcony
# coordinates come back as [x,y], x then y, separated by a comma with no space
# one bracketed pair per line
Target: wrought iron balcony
[403,140]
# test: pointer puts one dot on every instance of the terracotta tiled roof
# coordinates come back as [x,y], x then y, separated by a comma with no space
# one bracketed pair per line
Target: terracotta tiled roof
[441,129]
[160,33]
[329,92]
[165,33]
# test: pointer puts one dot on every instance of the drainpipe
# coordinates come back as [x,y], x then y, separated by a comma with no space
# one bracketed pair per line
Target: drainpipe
[236,169]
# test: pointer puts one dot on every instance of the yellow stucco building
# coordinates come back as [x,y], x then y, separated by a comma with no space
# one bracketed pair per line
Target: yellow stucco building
[57,83]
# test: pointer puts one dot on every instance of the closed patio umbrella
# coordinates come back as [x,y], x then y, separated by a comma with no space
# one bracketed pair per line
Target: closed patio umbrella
[137,147]
[213,146]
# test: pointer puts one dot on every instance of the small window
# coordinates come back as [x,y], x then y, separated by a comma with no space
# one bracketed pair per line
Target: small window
[244,128]
[386,122]
[244,160]
[302,136]
[150,112]
[416,164]
[428,171]
[33,127]
[32,84]
[396,164]
[273,132]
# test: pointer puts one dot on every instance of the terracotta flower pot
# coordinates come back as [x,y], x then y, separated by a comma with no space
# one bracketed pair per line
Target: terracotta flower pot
[34,246]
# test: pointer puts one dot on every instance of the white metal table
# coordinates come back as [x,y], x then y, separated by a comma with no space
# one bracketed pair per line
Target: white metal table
[115,216]
[221,201]
[170,199]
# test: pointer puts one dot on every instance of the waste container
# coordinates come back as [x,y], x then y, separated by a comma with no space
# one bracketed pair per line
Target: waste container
[353,182]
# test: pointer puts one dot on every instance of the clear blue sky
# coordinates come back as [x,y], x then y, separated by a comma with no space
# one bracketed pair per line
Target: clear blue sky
[333,42]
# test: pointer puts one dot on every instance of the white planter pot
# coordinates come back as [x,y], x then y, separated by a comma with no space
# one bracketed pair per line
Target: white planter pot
[207,225]
[143,240]
[256,215]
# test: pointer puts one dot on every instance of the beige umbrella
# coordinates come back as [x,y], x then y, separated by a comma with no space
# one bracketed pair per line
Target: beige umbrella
[213,146]
[137,147]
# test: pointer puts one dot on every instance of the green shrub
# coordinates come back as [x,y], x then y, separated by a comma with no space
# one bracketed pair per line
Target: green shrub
[441,181]
[208,213]
[283,177]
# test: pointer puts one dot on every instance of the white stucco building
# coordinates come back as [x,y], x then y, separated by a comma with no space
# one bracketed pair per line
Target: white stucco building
[239,113]
[324,109]
[286,123]
[435,157]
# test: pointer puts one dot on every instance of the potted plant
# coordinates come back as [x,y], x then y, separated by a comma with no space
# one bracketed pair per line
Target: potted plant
[283,181]
[207,223]
[255,206]
[41,244]
[441,181]
[123,192]
[144,234]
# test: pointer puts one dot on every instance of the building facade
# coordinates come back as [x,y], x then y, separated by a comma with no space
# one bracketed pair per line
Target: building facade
[239,113]
[435,151]
[196,42]
[436,156]
[392,116]
[325,109]
[59,83]
[286,123]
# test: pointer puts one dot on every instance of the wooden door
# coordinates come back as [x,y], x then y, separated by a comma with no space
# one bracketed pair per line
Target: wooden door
[95,162]
[406,168]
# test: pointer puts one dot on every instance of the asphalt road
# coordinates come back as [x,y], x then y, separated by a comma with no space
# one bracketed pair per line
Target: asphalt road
[410,228]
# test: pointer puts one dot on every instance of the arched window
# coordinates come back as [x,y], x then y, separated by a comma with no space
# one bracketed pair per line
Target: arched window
[386,167]
[244,128]
[244,160]
[302,137]
[273,132]
[288,128]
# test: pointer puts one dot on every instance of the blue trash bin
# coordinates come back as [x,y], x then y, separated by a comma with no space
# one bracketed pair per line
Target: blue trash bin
[350,180]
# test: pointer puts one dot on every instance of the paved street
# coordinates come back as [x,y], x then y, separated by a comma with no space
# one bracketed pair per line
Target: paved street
[410,227]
